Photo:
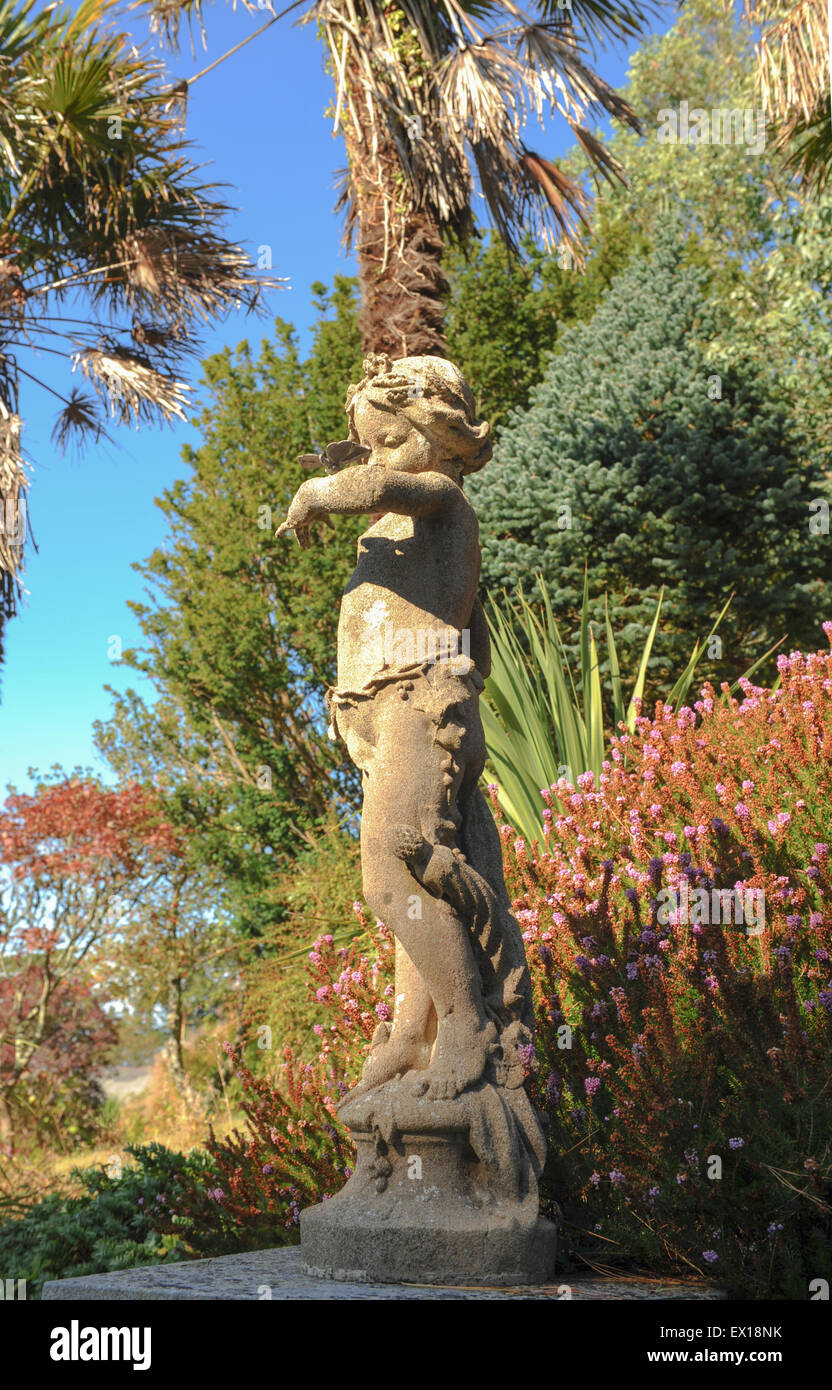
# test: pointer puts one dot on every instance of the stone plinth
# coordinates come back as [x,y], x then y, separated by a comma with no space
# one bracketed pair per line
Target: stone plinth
[421,1206]
[279,1275]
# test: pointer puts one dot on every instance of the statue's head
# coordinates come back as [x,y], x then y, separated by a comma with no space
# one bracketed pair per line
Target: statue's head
[418,413]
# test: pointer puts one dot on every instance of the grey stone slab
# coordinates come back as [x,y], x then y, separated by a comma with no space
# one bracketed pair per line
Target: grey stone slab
[280,1275]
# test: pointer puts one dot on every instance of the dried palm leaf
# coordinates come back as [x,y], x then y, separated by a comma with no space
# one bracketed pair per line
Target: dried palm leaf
[13,524]
[131,386]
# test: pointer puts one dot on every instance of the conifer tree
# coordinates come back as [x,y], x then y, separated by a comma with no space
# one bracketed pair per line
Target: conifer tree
[644,458]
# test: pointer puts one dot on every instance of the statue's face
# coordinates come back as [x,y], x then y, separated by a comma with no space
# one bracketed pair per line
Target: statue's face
[394,439]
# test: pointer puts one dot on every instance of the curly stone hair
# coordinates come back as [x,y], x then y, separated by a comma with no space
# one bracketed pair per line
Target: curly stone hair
[410,384]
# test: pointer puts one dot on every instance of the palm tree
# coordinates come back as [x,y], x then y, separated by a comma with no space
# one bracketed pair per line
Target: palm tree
[432,97]
[794,76]
[101,216]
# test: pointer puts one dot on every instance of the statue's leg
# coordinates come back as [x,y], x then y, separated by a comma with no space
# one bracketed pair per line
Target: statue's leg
[408,789]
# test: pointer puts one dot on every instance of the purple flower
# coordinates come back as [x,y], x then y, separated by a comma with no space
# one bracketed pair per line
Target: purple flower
[592,1085]
[617,1178]
[654,1192]
[632,970]
[825,1000]
[384,1012]
[595,1179]
[736,1143]
[710,1255]
[267,1168]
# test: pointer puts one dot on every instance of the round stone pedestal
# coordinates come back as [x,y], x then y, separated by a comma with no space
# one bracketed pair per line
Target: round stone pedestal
[416,1210]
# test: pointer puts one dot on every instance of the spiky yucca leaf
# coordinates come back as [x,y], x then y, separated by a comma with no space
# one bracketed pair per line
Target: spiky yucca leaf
[539,725]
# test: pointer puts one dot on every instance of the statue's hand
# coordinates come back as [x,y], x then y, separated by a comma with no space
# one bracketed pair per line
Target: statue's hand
[302,513]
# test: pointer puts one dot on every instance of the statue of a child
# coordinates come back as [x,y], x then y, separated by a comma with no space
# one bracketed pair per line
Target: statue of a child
[412,655]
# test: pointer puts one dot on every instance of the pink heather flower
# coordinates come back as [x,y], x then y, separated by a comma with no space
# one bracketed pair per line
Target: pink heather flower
[323,994]
[783,818]
[494,787]
[720,789]
[316,1028]
[384,1012]
[741,811]
[592,1085]
[748,786]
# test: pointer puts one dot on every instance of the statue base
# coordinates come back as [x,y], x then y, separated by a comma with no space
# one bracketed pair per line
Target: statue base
[419,1207]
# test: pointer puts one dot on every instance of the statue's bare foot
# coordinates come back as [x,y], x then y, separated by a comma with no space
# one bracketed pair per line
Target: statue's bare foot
[462,1052]
[390,1056]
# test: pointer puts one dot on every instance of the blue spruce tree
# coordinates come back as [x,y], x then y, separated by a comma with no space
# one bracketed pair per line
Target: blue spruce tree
[654,463]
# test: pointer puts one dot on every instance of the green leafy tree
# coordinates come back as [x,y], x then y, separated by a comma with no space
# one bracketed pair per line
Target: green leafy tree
[505,311]
[765,240]
[241,633]
[639,459]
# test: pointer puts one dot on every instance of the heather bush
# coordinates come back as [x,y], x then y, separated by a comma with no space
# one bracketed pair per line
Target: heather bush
[685,1060]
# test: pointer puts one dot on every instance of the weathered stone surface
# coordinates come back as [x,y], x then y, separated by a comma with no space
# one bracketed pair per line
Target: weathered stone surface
[447,1072]
[279,1275]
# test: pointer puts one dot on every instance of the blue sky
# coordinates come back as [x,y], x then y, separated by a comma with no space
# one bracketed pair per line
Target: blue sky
[258,121]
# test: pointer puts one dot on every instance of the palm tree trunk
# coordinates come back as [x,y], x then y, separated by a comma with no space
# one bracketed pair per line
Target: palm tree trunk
[399,247]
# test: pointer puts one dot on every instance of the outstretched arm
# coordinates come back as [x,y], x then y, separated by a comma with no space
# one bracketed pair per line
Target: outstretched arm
[362,491]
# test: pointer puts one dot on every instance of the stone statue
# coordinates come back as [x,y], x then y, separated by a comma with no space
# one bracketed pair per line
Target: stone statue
[449,1146]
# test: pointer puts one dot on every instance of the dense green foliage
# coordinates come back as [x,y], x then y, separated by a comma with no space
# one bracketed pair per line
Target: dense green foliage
[643,458]
[505,312]
[112,1224]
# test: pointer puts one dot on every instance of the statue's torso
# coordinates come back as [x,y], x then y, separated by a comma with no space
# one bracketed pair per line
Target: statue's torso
[413,575]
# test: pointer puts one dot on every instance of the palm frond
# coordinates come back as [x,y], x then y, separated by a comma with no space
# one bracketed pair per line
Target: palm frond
[131,386]
[13,485]
[794,82]
[794,57]
[77,422]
